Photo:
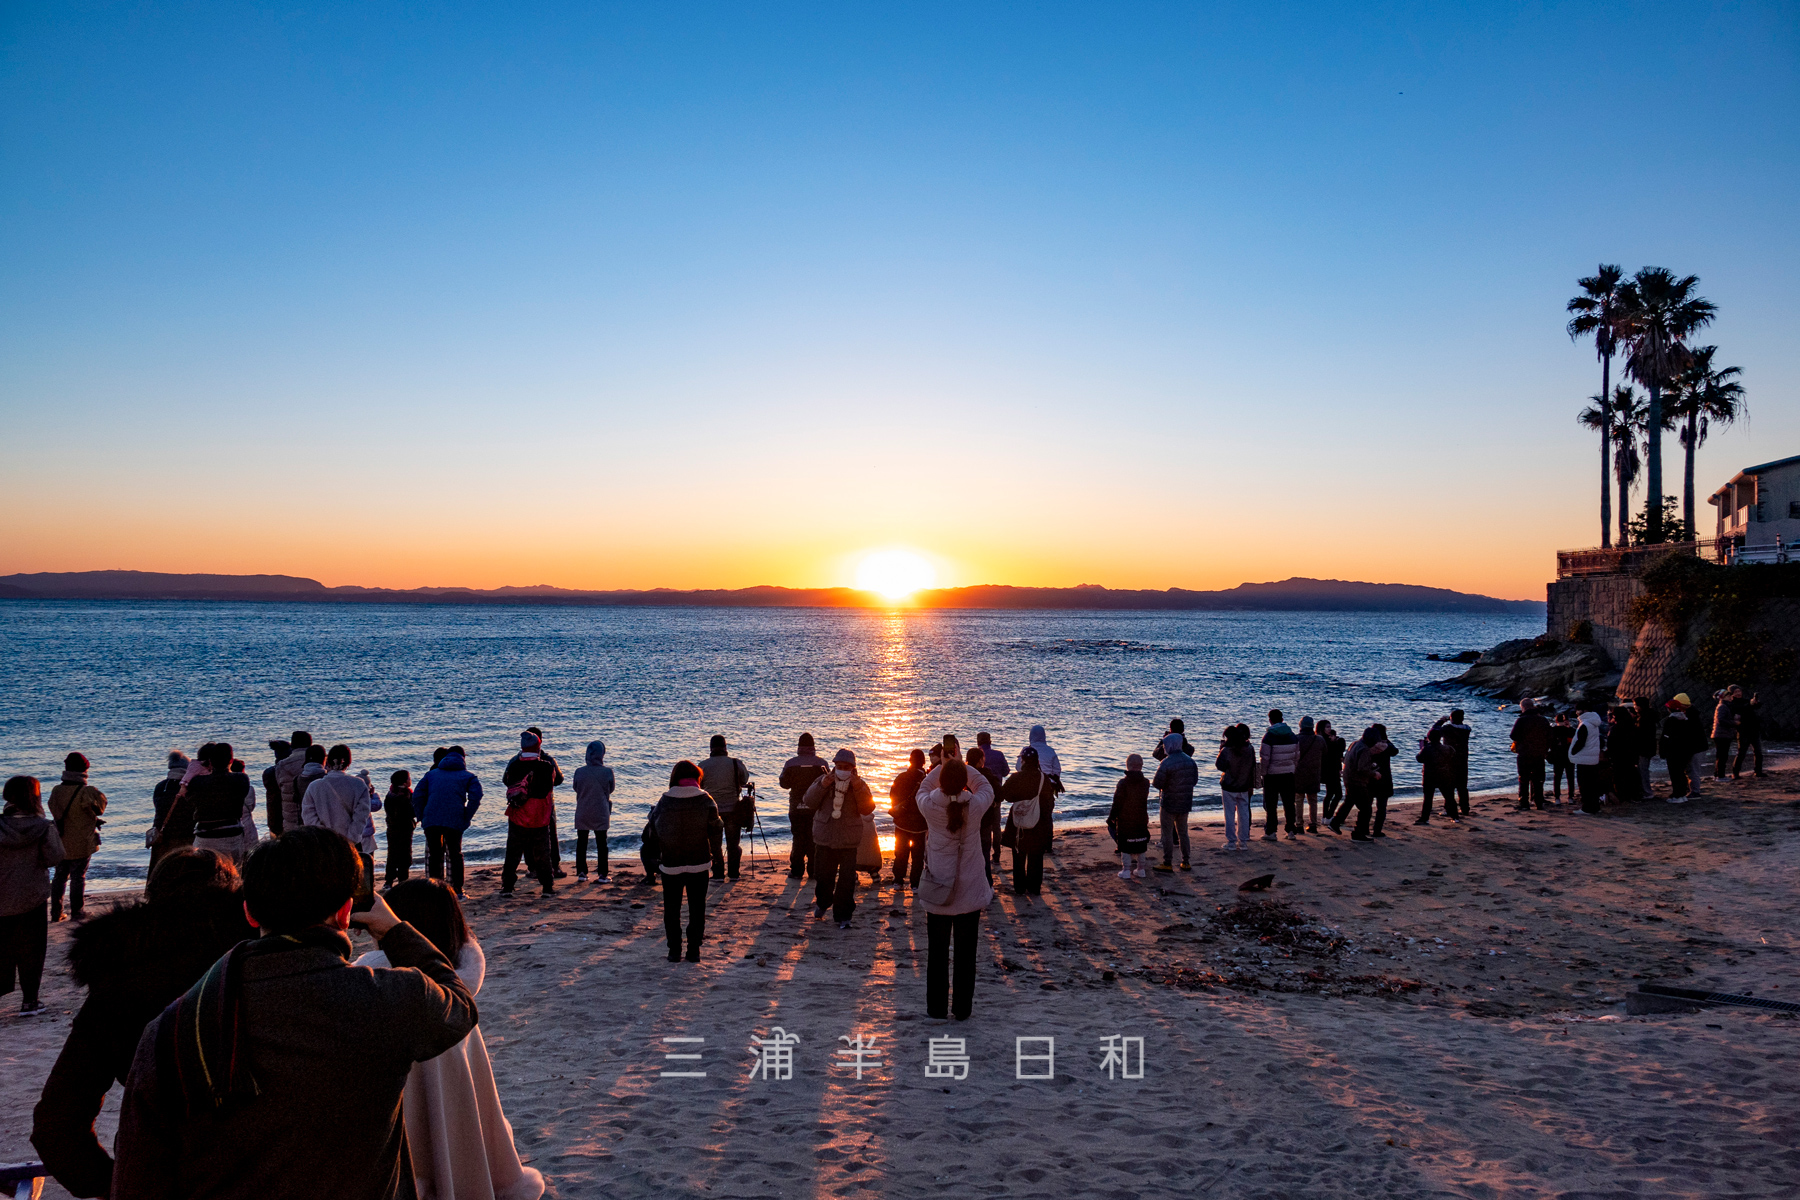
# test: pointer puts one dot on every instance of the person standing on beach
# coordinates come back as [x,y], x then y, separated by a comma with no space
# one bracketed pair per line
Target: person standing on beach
[552,840]
[1176,726]
[30,848]
[287,776]
[397,812]
[593,812]
[342,802]
[1051,766]
[75,806]
[311,771]
[683,832]
[797,775]
[1280,752]
[724,778]
[446,800]
[219,799]
[838,803]
[1561,734]
[1456,739]
[1724,727]
[1236,764]
[1647,725]
[1621,754]
[1032,797]
[1749,715]
[909,826]
[1384,783]
[1176,777]
[133,960]
[993,763]
[990,820]
[1362,774]
[162,803]
[291,1090]
[1128,821]
[530,781]
[1436,757]
[1531,743]
[271,781]
[1309,765]
[955,890]
[1679,741]
[1331,769]
[1585,752]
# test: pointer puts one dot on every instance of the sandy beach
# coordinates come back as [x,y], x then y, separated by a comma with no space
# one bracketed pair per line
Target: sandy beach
[1435,1014]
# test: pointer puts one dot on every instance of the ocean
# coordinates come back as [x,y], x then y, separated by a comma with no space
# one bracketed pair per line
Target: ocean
[125,681]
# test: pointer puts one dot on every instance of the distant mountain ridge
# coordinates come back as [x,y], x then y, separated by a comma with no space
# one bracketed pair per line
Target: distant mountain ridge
[1290,595]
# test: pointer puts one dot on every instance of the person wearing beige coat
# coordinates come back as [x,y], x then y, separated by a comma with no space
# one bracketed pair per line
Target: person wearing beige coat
[75,806]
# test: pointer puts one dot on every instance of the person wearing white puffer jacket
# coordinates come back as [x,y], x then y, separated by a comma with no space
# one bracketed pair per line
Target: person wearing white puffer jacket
[1584,752]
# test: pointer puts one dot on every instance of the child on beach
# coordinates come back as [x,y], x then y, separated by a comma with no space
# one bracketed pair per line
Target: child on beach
[1237,779]
[1129,820]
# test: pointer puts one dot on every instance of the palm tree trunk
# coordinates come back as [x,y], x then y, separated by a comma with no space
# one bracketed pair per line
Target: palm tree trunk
[1687,478]
[1606,450]
[1653,483]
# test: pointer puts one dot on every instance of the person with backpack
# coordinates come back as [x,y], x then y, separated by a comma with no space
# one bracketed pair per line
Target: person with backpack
[797,775]
[1032,797]
[724,779]
[838,802]
[552,841]
[909,826]
[683,833]
[1236,765]
[446,800]
[529,779]
[593,812]
[75,806]
[1128,820]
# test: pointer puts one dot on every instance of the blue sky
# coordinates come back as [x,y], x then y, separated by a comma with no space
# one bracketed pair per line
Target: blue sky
[710,296]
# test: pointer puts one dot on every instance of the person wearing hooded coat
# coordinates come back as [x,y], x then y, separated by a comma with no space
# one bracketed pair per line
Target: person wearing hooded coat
[593,811]
[683,835]
[1176,778]
[446,800]
[954,889]
[1585,752]
[1365,770]
[797,775]
[133,959]
[30,848]
[838,802]
[1028,789]
[909,826]
[530,780]
[1128,821]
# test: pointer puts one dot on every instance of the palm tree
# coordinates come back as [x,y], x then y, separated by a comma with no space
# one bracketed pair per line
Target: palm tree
[1626,417]
[1701,396]
[1596,314]
[1659,312]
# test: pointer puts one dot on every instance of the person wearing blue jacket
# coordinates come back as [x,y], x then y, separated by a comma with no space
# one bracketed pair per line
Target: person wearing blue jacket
[446,800]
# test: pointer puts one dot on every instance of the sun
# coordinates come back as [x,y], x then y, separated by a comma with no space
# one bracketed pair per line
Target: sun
[895,574]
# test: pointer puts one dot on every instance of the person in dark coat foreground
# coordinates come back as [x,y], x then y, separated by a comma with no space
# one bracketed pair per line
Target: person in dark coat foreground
[279,1074]
[133,960]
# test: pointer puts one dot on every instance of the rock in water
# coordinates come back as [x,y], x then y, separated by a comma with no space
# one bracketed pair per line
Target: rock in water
[1541,666]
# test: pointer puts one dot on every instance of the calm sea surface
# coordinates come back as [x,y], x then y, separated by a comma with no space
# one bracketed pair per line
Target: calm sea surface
[123,682]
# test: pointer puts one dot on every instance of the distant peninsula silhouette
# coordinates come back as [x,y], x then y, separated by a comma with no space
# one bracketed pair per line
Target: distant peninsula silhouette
[1292,595]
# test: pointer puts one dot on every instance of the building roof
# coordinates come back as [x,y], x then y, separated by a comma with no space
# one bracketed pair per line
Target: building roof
[1751,472]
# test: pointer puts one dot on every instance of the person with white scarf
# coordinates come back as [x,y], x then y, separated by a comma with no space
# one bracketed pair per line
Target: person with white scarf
[838,802]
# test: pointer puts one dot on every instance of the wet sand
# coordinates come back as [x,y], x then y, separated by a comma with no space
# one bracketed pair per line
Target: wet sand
[1446,1022]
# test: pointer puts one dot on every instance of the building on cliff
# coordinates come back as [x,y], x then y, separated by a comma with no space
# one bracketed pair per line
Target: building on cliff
[1759,511]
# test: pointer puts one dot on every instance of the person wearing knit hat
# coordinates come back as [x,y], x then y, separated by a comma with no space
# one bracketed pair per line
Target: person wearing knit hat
[797,775]
[838,801]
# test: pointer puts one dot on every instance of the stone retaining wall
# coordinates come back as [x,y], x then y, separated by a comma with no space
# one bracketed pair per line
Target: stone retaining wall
[1604,600]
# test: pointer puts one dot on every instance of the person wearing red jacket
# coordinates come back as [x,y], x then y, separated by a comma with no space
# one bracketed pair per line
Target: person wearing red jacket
[530,779]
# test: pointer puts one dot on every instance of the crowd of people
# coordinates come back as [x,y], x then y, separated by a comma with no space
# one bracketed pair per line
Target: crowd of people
[186,989]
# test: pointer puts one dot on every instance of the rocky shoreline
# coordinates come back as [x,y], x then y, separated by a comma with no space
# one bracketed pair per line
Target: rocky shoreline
[1560,671]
